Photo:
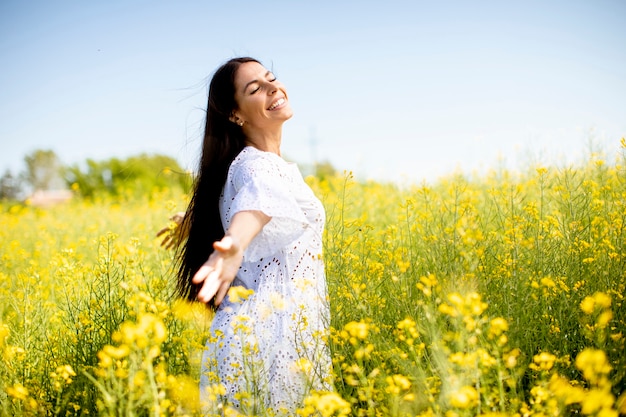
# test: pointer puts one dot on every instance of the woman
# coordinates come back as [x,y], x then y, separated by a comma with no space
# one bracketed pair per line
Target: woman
[266,347]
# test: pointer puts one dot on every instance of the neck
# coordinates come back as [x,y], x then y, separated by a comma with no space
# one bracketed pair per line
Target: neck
[264,140]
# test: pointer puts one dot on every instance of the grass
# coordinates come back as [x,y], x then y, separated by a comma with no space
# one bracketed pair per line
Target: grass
[496,295]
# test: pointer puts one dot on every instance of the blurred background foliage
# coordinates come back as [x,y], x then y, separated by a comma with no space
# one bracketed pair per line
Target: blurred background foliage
[133,176]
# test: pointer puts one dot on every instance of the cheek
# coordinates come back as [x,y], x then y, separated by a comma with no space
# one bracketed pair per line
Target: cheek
[282,88]
[253,104]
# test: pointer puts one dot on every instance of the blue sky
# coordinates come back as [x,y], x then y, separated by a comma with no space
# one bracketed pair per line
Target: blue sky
[400,90]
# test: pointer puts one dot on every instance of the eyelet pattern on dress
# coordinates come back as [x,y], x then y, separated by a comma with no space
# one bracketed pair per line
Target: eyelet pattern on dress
[272,344]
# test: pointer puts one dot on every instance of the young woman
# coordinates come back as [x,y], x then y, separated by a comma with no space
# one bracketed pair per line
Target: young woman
[253,223]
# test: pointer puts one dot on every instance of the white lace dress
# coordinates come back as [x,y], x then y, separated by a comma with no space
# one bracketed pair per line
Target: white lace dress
[269,350]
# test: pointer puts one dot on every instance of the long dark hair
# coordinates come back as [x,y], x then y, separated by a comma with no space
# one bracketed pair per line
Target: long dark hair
[223,140]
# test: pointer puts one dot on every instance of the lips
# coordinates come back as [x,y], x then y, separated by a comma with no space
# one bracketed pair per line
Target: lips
[277,103]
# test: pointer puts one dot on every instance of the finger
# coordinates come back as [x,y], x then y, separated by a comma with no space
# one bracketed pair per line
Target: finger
[221,293]
[208,268]
[177,217]
[209,288]
[162,231]
[212,282]
[224,245]
[202,274]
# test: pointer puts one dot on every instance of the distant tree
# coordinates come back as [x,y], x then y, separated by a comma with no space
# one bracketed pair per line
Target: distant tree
[324,170]
[88,180]
[136,175]
[10,187]
[43,170]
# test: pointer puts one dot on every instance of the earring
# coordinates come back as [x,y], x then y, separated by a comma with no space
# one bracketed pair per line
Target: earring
[240,123]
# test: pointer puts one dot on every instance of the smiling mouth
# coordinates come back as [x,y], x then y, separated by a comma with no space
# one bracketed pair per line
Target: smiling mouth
[277,103]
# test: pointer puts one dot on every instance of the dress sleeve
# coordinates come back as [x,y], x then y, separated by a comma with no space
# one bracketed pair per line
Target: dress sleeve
[261,186]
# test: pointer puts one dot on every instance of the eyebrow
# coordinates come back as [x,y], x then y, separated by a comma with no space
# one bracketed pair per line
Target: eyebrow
[245,88]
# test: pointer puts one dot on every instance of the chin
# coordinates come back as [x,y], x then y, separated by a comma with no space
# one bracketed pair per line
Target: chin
[288,114]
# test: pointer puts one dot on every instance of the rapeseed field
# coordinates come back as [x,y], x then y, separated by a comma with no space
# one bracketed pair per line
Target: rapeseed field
[492,295]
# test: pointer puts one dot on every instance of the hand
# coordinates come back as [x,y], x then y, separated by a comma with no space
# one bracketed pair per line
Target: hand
[173,233]
[219,271]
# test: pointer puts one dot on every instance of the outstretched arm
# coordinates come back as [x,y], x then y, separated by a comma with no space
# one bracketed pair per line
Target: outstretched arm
[219,271]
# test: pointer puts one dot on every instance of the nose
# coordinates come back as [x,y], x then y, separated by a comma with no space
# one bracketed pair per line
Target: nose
[272,89]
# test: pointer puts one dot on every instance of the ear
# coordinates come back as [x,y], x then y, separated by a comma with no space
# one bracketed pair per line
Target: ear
[234,117]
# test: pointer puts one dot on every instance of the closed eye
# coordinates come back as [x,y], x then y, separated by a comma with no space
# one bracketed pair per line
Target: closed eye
[270,78]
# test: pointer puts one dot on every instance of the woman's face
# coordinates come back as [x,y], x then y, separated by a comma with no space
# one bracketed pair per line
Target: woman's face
[261,98]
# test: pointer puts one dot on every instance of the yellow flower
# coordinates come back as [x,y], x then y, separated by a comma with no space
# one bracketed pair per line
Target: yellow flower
[602,300]
[18,391]
[485,358]
[105,360]
[540,394]
[497,326]
[303,365]
[159,332]
[464,397]
[66,373]
[149,330]
[409,397]
[357,330]
[154,352]
[364,352]
[239,293]
[594,365]
[126,334]
[463,359]
[510,358]
[4,334]
[327,404]
[447,310]
[595,400]
[543,361]
[470,323]
[604,318]
[588,305]
[477,306]
[563,389]
[216,390]
[410,326]
[396,384]
[140,379]
[456,299]
[116,352]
